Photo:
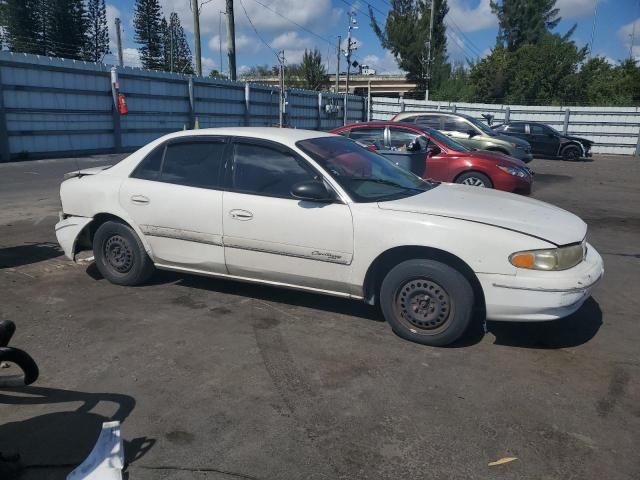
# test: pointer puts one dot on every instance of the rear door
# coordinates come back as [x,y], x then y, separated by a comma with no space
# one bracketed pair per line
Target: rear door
[270,235]
[459,129]
[175,198]
[368,136]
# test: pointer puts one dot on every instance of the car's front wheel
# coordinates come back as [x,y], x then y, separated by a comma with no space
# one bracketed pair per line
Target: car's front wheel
[427,302]
[475,179]
[571,153]
[120,255]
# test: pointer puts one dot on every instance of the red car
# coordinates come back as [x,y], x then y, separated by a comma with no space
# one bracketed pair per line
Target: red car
[431,154]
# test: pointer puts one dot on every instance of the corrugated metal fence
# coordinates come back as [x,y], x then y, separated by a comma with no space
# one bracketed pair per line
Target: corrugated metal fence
[613,129]
[53,106]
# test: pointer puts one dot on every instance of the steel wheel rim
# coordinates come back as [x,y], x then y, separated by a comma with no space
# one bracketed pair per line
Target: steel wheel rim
[118,254]
[423,306]
[572,154]
[473,182]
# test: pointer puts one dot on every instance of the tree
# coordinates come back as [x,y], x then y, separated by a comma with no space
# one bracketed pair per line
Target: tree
[24,26]
[406,35]
[96,44]
[67,20]
[524,22]
[216,74]
[175,48]
[147,25]
[312,71]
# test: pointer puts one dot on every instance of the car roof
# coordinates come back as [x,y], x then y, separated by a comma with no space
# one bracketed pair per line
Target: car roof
[287,136]
[432,112]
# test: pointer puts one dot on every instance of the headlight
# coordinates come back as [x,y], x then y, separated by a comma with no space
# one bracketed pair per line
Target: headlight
[552,259]
[515,171]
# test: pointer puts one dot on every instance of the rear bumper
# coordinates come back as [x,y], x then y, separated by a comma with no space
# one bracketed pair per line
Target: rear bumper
[523,155]
[539,296]
[67,232]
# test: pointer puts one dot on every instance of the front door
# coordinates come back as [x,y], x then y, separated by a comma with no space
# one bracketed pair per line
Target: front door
[269,235]
[174,197]
[544,139]
[408,150]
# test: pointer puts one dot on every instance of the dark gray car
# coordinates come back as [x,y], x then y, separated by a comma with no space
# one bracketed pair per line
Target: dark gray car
[470,132]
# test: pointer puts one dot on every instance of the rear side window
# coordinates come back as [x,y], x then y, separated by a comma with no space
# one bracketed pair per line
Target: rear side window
[432,121]
[149,168]
[262,170]
[196,164]
[539,130]
[452,124]
[369,136]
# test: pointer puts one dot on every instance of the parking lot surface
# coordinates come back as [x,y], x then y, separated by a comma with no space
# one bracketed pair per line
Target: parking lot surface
[222,380]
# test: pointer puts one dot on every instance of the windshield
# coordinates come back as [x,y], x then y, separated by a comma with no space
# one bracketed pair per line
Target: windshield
[482,126]
[365,175]
[446,141]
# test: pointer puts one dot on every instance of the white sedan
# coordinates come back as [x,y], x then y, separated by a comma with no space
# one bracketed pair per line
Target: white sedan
[318,212]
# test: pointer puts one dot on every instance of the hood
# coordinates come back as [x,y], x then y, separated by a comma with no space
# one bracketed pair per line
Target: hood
[498,158]
[493,207]
[518,141]
[578,139]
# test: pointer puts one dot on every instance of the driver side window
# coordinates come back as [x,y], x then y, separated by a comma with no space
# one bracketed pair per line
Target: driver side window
[406,141]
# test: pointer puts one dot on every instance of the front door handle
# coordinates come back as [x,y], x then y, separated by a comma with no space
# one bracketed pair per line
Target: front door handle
[140,199]
[242,215]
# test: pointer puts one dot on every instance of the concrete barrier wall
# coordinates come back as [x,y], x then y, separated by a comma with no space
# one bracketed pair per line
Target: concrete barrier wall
[613,129]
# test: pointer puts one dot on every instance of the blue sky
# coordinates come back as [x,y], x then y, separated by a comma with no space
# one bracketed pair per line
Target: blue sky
[299,24]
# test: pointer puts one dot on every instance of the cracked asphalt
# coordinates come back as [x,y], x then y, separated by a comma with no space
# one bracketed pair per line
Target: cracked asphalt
[221,380]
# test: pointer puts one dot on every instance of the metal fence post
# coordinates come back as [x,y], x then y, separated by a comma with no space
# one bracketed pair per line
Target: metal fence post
[192,103]
[369,101]
[346,109]
[319,125]
[401,103]
[115,112]
[565,127]
[507,114]
[247,104]
[453,109]
[637,154]
[5,151]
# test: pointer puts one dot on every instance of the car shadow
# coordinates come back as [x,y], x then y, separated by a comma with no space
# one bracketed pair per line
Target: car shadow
[11,257]
[572,331]
[560,159]
[327,303]
[52,444]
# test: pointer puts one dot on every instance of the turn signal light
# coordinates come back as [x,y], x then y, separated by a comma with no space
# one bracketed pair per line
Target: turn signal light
[523,260]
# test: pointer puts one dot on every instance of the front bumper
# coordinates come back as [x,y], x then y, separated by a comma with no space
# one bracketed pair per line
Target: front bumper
[538,296]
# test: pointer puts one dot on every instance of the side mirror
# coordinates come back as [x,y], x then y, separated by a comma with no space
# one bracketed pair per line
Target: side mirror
[314,191]
[472,133]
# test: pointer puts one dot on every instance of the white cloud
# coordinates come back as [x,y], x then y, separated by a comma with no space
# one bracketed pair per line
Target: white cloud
[208,64]
[383,66]
[624,35]
[576,8]
[243,43]
[471,18]
[131,57]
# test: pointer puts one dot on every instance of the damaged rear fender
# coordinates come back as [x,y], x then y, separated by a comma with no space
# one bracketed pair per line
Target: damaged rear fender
[67,232]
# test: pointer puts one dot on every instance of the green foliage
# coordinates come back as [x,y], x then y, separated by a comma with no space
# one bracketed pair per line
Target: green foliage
[216,74]
[67,20]
[147,20]
[457,87]
[312,71]
[406,35]
[524,22]
[176,53]
[96,42]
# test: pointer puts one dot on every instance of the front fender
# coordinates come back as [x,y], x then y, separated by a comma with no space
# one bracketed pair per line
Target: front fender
[67,232]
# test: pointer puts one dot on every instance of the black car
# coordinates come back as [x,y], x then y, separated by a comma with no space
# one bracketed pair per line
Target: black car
[547,141]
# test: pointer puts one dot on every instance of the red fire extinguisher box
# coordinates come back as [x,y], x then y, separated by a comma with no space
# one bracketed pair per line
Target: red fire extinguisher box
[122,105]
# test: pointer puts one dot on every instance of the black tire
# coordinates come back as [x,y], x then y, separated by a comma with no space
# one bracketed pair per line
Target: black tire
[120,255]
[571,153]
[475,179]
[427,302]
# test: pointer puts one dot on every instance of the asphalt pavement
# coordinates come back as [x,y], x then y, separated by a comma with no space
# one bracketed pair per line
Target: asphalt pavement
[222,380]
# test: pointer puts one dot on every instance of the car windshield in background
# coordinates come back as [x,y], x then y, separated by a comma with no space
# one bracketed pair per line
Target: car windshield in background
[365,175]
[446,141]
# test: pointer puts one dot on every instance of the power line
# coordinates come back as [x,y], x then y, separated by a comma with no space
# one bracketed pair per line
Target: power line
[256,30]
[472,46]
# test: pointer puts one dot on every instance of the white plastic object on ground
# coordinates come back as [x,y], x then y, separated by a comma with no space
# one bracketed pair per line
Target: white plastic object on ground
[106,460]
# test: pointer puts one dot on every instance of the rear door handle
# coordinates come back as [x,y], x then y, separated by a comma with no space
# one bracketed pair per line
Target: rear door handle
[242,215]
[140,199]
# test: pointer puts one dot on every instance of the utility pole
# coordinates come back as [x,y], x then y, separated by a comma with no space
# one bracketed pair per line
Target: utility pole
[633,39]
[282,97]
[593,28]
[350,47]
[171,47]
[220,38]
[338,52]
[429,59]
[231,40]
[119,43]
[196,33]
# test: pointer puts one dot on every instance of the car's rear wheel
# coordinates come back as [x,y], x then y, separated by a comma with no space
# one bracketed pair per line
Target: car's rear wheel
[475,179]
[120,255]
[427,302]
[571,153]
